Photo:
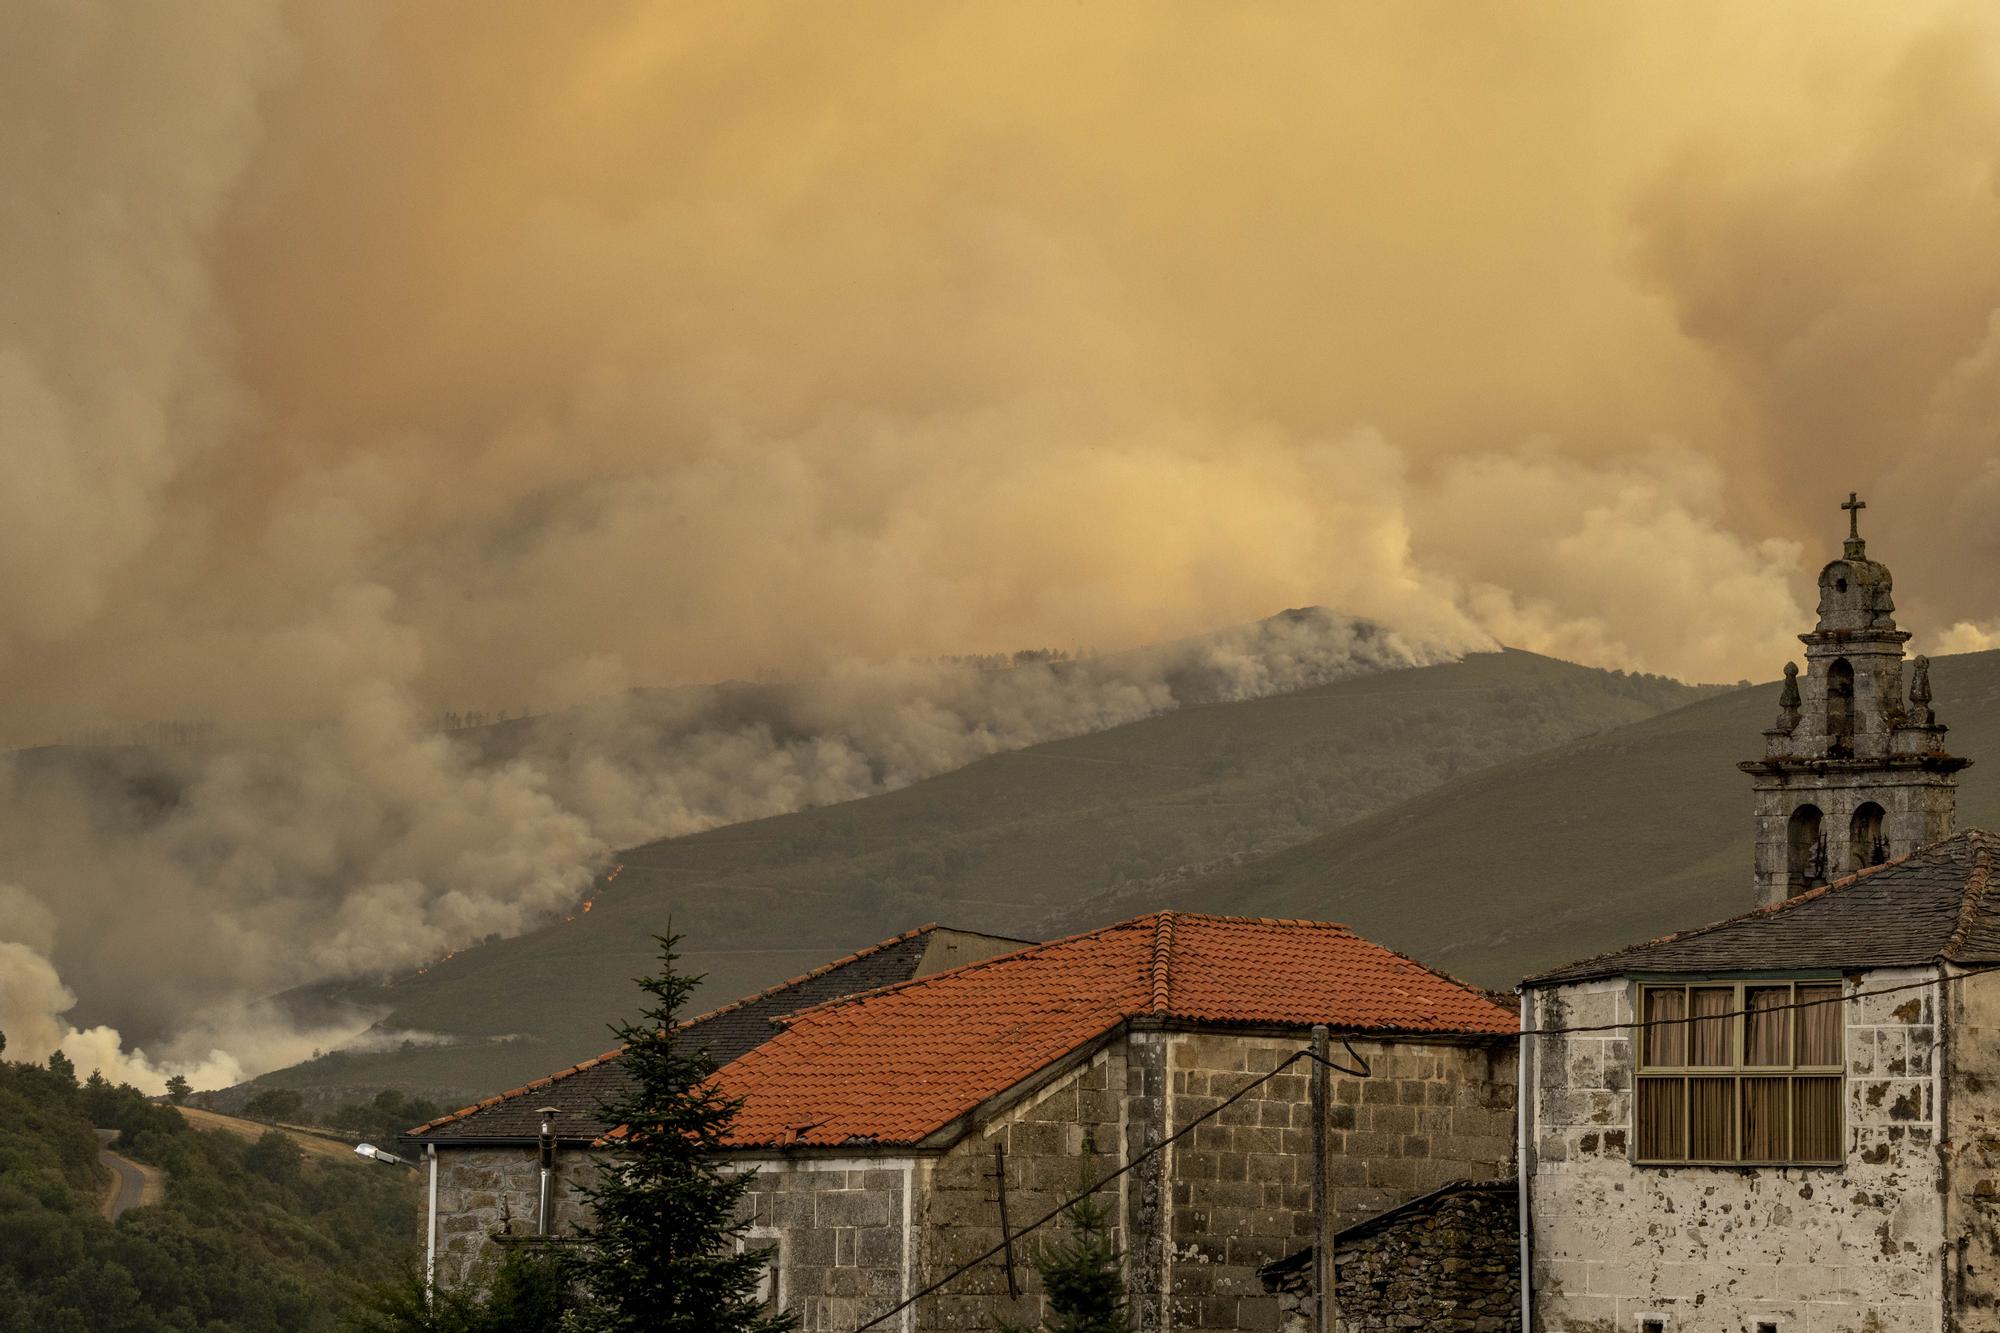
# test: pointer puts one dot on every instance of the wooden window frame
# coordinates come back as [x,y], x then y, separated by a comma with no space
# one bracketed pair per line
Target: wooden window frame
[1736,1070]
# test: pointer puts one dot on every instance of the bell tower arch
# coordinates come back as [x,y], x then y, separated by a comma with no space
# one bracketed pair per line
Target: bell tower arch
[1852,774]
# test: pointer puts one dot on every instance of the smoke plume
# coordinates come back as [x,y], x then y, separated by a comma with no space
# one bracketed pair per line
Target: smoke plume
[365,363]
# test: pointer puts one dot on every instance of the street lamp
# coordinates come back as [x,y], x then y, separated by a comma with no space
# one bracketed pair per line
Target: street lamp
[369,1150]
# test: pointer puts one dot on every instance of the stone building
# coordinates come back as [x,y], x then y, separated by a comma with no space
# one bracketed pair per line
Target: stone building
[1445,1262]
[884,1126]
[890,1127]
[1789,1121]
[1852,775]
[485,1161]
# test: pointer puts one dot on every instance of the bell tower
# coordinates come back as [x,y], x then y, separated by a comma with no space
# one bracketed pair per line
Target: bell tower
[1852,775]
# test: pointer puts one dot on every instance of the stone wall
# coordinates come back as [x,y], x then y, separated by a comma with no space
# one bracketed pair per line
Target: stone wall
[1812,1249]
[1054,1141]
[1972,1115]
[840,1230]
[1241,1185]
[488,1190]
[1449,1262]
[1452,1265]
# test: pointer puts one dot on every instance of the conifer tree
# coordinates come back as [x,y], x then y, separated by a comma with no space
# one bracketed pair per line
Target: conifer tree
[665,1251]
[1082,1276]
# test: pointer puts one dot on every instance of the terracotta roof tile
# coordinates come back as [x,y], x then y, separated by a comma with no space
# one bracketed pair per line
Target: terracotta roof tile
[896,1064]
[727,1032]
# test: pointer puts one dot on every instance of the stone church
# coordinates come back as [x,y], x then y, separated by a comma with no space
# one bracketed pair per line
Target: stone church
[1789,1121]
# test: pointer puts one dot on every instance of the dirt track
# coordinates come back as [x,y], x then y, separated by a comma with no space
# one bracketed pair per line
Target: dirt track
[314,1144]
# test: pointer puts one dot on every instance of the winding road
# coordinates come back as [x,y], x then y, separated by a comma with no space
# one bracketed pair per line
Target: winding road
[133,1184]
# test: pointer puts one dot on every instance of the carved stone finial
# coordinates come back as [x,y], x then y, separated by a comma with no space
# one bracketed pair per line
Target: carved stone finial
[1920,692]
[1788,699]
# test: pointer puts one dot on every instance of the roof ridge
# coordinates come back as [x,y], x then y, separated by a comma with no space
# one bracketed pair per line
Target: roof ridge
[1974,898]
[1163,957]
[1137,922]
[546,1080]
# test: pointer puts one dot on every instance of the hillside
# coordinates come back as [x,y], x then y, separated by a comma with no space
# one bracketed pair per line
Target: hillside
[996,846]
[1599,843]
[250,1236]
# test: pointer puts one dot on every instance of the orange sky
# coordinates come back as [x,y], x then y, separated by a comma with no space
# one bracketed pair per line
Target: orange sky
[503,354]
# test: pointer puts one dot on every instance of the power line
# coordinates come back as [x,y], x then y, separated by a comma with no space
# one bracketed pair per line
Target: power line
[1638,1024]
[1009,1238]
[1633,1025]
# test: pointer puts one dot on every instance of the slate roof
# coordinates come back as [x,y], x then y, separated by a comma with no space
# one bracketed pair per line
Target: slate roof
[727,1032]
[896,1065]
[1938,903]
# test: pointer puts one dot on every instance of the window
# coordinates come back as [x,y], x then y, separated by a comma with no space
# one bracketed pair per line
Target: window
[1840,708]
[767,1242]
[1766,1326]
[1865,844]
[1648,1324]
[1739,1071]
[1807,849]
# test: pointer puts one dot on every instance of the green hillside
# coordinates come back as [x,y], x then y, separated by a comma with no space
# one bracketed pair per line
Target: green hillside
[251,1236]
[998,846]
[1603,842]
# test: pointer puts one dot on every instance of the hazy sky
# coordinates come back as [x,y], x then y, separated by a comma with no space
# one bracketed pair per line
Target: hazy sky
[511,352]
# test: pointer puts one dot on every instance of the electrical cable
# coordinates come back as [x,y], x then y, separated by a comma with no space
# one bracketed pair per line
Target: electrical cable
[1363,1071]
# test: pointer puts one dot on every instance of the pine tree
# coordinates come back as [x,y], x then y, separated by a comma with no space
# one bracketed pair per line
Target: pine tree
[62,1066]
[665,1252]
[1085,1286]
[1081,1277]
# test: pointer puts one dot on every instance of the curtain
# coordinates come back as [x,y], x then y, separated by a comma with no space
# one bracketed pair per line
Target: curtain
[1709,1043]
[1662,1128]
[1764,1108]
[1766,1024]
[1712,1119]
[1816,1117]
[1819,1026]
[1666,1046]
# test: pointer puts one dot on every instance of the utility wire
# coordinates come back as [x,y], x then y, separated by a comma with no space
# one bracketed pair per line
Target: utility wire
[1633,1025]
[1149,1154]
[1638,1024]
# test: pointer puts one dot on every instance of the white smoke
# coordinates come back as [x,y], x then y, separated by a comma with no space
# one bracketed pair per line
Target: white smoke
[368,846]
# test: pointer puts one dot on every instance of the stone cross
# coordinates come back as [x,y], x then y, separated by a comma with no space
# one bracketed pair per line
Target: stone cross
[1854,506]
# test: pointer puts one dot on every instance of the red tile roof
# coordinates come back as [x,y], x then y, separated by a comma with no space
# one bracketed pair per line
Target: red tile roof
[526,1122]
[896,1064]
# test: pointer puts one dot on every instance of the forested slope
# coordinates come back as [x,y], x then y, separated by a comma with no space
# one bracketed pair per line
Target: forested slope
[250,1236]
[996,846]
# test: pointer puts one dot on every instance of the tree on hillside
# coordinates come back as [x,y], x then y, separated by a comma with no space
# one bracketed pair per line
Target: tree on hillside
[275,1104]
[62,1066]
[178,1089]
[665,1251]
